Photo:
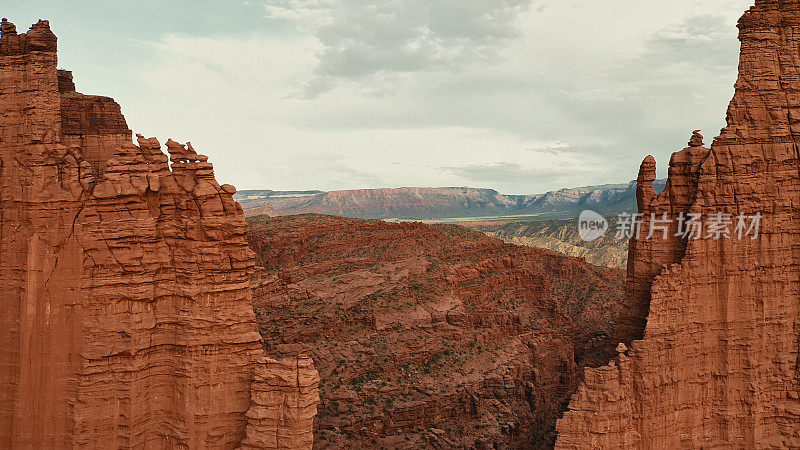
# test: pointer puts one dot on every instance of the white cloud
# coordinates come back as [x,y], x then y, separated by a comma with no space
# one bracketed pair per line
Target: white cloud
[306,14]
[362,38]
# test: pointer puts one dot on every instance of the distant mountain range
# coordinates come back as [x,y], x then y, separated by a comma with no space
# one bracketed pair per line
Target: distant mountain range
[443,204]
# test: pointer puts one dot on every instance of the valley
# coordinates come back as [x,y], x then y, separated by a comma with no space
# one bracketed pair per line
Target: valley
[430,336]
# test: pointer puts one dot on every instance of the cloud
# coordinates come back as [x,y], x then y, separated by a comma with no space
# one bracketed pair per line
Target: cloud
[700,42]
[501,172]
[539,167]
[552,149]
[304,14]
[541,112]
[543,86]
[364,39]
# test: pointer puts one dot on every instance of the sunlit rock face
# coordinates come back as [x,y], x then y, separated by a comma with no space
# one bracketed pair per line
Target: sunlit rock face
[714,323]
[125,307]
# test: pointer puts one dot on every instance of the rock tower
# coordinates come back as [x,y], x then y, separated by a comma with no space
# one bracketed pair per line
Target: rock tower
[713,324]
[125,307]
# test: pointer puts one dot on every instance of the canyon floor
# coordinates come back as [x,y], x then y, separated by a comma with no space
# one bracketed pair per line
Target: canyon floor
[430,335]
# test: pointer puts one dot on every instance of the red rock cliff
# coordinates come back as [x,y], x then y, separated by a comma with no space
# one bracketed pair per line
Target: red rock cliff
[715,323]
[125,307]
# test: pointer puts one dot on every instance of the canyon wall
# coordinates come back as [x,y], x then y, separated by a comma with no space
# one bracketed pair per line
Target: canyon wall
[126,314]
[562,236]
[713,324]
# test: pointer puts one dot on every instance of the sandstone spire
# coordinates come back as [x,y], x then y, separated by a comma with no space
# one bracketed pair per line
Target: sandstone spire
[696,140]
[125,307]
[714,323]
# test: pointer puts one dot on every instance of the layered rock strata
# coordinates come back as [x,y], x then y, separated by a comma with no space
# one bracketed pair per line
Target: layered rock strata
[562,236]
[714,323]
[93,123]
[125,306]
[284,402]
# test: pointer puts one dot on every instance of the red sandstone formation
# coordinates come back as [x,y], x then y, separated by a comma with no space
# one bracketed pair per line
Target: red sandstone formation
[714,324]
[125,306]
[430,336]
[284,402]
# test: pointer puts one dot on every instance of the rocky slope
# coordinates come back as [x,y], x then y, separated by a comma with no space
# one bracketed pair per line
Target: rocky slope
[430,336]
[126,314]
[560,235]
[714,360]
[442,203]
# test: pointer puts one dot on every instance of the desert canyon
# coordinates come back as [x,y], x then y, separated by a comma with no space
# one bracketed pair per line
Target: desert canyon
[430,336]
[140,308]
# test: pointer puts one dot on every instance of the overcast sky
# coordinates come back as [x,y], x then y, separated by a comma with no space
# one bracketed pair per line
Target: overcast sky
[522,96]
